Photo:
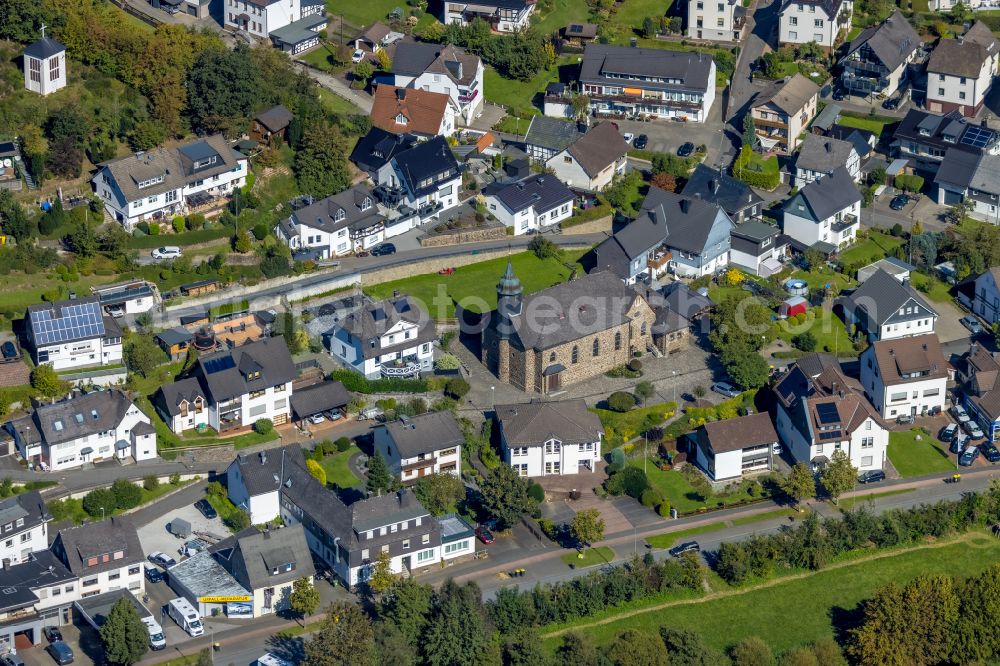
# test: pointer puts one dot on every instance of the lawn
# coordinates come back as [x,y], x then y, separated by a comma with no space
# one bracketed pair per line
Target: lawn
[799,610]
[520,95]
[321,58]
[632,12]
[590,557]
[20,290]
[338,471]
[849,503]
[620,427]
[363,14]
[678,491]
[334,103]
[913,457]
[668,539]
[830,333]
[475,285]
[874,124]
[563,13]
[932,288]
[877,246]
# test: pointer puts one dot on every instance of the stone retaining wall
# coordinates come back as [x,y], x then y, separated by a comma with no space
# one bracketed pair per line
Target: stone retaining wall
[600,225]
[460,237]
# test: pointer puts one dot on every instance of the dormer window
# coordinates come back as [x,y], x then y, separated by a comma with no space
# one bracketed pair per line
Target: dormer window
[150,181]
[207,162]
[252,375]
[339,215]
[366,204]
[283,568]
[401,119]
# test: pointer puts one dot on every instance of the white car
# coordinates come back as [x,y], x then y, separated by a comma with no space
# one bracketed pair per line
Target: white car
[317,418]
[166,252]
[357,56]
[628,136]
[268,659]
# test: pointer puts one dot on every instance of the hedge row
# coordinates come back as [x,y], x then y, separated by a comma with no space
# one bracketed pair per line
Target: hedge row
[352,381]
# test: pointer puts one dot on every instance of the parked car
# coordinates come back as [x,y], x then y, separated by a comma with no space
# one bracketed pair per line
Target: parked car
[628,136]
[968,456]
[899,202]
[776,449]
[162,559]
[9,350]
[971,323]
[52,634]
[640,142]
[357,56]
[384,249]
[991,452]
[206,508]
[166,252]
[116,311]
[872,476]
[726,389]
[686,547]
[891,104]
[61,652]
[971,427]
[485,535]
[686,150]
[959,443]
[334,415]
[948,432]
[838,94]
[959,413]
[904,418]
[316,419]
[153,574]
[11,660]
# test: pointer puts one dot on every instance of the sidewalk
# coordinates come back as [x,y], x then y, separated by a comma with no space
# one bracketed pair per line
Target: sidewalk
[359,98]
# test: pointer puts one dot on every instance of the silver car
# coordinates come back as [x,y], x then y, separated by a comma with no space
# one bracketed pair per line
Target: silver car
[960,414]
[971,427]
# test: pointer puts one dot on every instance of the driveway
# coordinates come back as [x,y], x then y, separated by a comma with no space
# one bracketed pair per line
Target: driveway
[919,209]
[359,98]
[154,535]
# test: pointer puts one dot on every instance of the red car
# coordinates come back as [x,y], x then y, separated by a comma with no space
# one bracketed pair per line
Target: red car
[485,535]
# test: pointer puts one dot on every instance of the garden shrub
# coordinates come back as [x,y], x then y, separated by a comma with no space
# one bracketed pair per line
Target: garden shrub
[629,481]
[127,494]
[356,383]
[263,426]
[456,388]
[650,497]
[664,509]
[620,401]
[635,365]
[343,443]
[150,483]
[536,492]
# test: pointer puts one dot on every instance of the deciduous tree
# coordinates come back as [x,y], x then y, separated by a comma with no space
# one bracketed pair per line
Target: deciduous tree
[45,380]
[587,526]
[381,577]
[142,355]
[839,475]
[222,85]
[635,648]
[304,599]
[458,632]
[439,492]
[505,496]
[316,470]
[345,638]
[321,165]
[800,483]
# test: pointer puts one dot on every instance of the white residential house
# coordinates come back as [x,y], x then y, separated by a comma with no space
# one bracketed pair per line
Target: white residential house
[820,156]
[529,205]
[821,410]
[905,376]
[161,183]
[820,21]
[260,18]
[502,15]
[729,449]
[45,66]
[592,161]
[986,301]
[23,526]
[39,593]
[73,334]
[132,297]
[715,20]
[415,447]
[389,338]
[825,214]
[550,438]
[782,113]
[960,71]
[338,225]
[970,176]
[442,69]
[420,183]
[105,556]
[88,428]
[876,61]
[232,389]
[887,309]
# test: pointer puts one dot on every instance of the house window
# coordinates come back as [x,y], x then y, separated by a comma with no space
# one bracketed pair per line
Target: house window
[867,442]
[597,347]
[54,69]
[425,539]
[552,357]
[90,582]
[364,554]
[406,544]
[575,355]
[425,555]
[618,340]
[866,461]
[35,70]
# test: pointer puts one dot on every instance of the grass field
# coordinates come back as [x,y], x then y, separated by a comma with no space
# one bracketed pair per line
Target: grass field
[520,94]
[681,495]
[669,539]
[475,285]
[913,457]
[877,246]
[591,557]
[829,331]
[336,104]
[797,609]
[620,427]
[337,469]
[363,14]
[874,124]
[931,288]
[563,13]
[848,503]
[632,12]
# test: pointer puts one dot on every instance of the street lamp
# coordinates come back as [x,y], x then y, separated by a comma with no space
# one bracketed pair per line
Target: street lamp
[493,397]
[673,382]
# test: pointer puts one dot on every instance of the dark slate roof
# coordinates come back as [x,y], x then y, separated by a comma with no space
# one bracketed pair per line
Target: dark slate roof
[275,119]
[974,171]
[430,159]
[720,188]
[28,506]
[609,255]
[226,374]
[357,205]
[263,559]
[754,230]
[375,512]
[551,133]
[963,56]
[687,303]
[415,58]
[75,545]
[601,146]
[823,154]
[830,7]
[375,149]
[424,434]
[170,396]
[949,130]
[543,192]
[534,423]
[601,60]
[174,336]
[790,95]
[892,41]
[319,398]
[689,220]
[822,198]
[18,582]
[858,138]
[600,299]
[370,322]
[879,299]
[74,418]
[46,47]
[67,321]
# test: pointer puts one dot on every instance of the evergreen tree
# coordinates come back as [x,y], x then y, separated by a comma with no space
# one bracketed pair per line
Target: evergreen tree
[379,476]
[749,131]
[123,634]
[457,632]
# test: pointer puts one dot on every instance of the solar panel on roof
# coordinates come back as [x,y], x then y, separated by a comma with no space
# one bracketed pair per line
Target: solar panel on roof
[77,321]
[977,136]
[827,413]
[833,434]
[219,364]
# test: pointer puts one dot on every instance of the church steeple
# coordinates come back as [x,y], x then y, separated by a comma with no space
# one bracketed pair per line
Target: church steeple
[509,292]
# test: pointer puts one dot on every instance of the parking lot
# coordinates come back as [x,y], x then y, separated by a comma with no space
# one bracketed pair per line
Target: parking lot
[155,536]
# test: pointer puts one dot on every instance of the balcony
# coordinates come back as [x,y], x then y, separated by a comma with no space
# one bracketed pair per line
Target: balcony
[429,461]
[389,195]
[406,367]
[844,224]
[465,99]
[633,100]
[659,259]
[428,210]
[764,123]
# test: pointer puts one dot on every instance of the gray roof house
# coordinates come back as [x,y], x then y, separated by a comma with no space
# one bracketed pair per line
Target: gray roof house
[825,214]
[735,197]
[105,555]
[697,231]
[420,445]
[266,563]
[534,423]
[886,308]
[252,367]
[876,59]
[970,176]
[337,225]
[56,330]
[547,136]
[820,155]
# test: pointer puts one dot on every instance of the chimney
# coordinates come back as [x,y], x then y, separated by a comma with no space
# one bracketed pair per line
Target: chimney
[400,93]
[828,146]
[685,205]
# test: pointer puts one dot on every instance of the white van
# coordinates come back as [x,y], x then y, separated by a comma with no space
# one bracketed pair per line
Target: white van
[156,639]
[187,618]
